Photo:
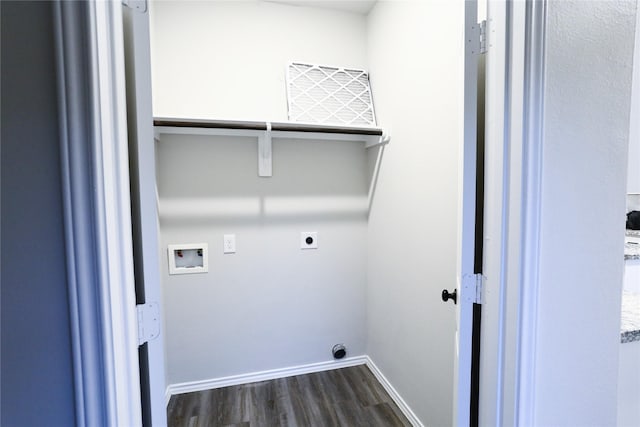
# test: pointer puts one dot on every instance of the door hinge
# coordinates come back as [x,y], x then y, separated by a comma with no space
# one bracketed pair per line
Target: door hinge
[472,288]
[148,322]
[483,36]
[137,5]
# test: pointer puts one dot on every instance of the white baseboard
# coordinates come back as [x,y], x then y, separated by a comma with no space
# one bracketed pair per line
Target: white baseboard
[404,407]
[167,395]
[188,387]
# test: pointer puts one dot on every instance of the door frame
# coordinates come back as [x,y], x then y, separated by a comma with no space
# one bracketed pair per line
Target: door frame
[95,168]
[509,393]
[513,165]
[145,205]
[466,250]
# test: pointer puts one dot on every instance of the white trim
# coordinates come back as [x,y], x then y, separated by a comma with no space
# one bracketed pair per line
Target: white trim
[113,213]
[97,213]
[404,407]
[532,200]
[513,205]
[272,374]
[495,216]
[85,364]
[515,78]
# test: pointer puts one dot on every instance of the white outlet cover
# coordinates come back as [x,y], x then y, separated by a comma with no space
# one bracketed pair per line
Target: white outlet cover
[229,244]
[309,240]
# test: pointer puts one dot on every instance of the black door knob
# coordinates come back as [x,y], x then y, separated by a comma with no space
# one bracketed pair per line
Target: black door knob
[446,295]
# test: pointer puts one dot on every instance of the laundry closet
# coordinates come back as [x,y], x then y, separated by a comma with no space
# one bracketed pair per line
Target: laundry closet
[281,237]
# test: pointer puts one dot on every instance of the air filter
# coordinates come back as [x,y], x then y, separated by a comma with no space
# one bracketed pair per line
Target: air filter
[329,95]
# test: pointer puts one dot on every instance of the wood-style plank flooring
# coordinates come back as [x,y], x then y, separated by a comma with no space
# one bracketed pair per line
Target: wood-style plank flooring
[343,397]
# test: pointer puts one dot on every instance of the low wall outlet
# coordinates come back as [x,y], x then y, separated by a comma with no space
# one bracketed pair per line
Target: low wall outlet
[188,258]
[229,244]
[309,240]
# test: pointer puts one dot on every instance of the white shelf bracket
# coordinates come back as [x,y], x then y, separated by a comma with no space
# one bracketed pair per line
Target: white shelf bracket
[384,139]
[264,153]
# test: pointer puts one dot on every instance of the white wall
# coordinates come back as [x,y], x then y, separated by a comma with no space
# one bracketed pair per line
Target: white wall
[629,385]
[586,124]
[415,61]
[633,175]
[270,305]
[227,59]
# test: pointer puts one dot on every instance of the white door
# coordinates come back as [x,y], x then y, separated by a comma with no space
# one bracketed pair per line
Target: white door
[144,206]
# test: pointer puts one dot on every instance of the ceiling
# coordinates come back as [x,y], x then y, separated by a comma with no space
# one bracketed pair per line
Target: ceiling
[361,7]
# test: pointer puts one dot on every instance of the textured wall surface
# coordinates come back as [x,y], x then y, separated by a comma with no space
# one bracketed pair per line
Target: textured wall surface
[587,102]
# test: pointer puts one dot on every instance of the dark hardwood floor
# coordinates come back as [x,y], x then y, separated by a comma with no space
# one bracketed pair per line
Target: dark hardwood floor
[342,397]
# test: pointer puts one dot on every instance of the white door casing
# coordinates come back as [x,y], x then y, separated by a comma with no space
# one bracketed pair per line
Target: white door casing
[515,75]
[495,219]
[95,166]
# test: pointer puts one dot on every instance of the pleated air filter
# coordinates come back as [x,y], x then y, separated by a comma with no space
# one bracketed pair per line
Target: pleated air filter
[329,95]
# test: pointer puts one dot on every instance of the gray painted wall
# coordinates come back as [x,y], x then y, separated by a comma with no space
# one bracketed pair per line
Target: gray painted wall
[270,305]
[412,230]
[37,380]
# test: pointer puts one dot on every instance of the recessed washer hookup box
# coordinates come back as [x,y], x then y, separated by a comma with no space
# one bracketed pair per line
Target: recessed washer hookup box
[188,258]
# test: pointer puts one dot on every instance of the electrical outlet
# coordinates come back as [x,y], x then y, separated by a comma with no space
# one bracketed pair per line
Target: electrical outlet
[229,244]
[309,240]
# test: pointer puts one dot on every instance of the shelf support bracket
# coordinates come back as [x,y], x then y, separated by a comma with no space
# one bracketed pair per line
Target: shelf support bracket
[264,153]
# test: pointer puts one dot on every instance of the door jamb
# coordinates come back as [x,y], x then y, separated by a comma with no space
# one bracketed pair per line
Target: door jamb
[467,217]
[121,373]
[515,82]
[145,204]
[533,126]
[97,212]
